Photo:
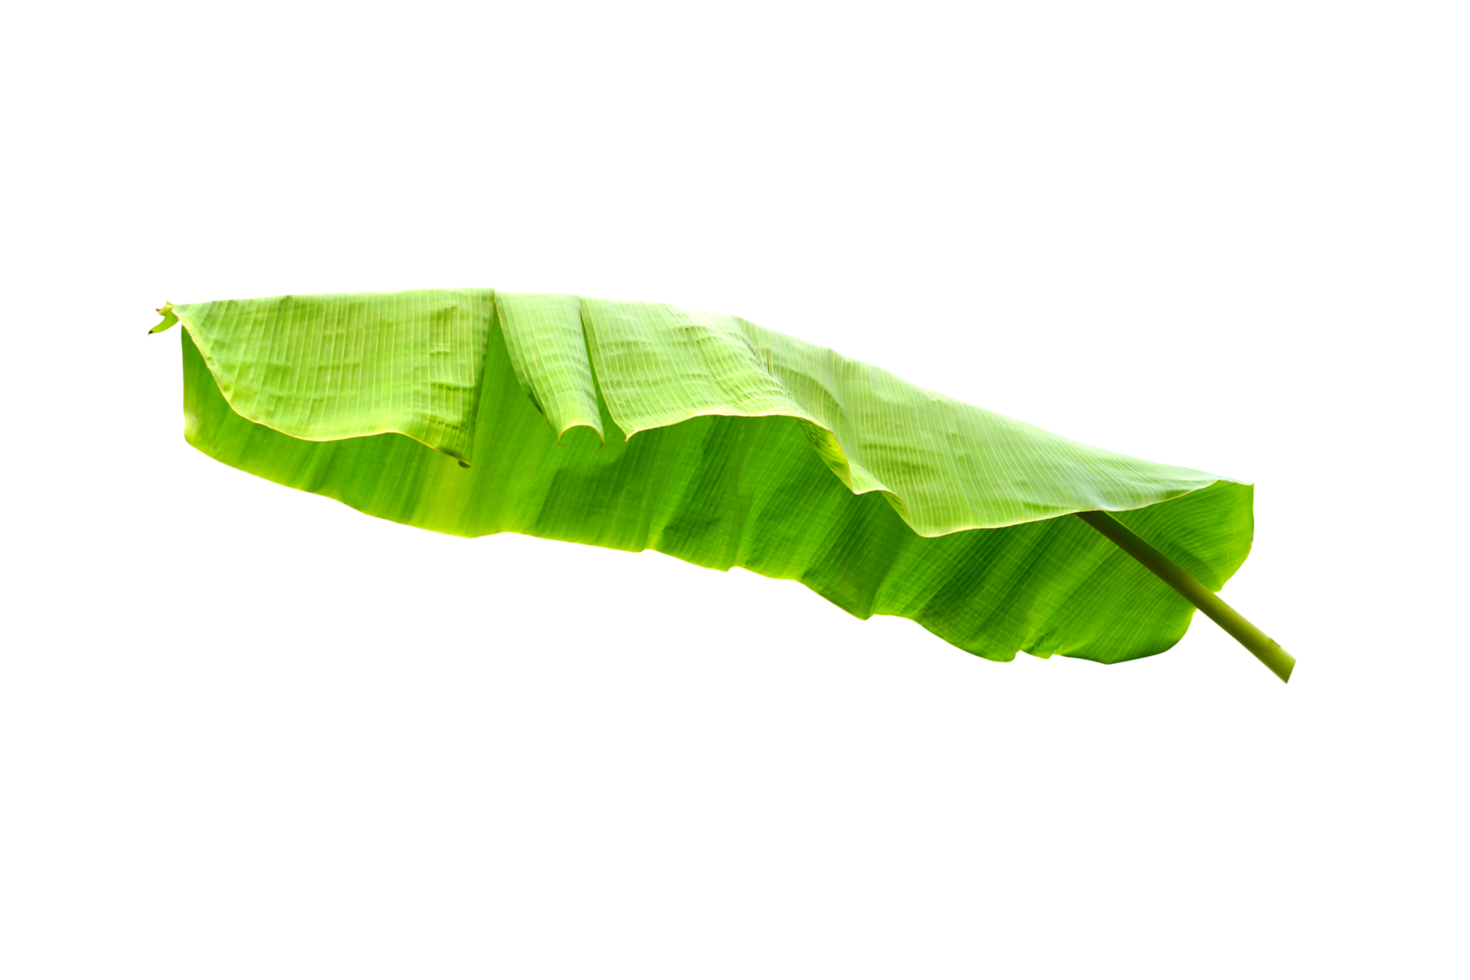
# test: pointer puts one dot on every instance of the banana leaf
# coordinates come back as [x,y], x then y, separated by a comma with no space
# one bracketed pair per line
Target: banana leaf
[714,440]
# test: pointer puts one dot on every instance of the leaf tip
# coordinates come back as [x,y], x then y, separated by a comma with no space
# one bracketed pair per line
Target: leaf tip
[169,318]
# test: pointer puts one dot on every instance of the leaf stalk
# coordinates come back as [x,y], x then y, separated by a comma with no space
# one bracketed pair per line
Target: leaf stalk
[1266,650]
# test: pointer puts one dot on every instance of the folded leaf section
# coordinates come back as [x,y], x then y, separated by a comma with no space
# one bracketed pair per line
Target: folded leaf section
[944,465]
[548,352]
[346,365]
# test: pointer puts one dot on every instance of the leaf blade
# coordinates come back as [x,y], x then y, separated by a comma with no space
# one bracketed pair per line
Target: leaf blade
[742,488]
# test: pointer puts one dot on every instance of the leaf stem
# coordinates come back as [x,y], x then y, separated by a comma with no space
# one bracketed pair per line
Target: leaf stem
[1267,650]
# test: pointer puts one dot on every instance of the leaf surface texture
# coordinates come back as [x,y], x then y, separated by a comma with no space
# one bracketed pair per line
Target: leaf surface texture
[709,438]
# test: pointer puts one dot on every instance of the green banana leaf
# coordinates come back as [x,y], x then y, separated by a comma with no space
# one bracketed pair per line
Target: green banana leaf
[711,439]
